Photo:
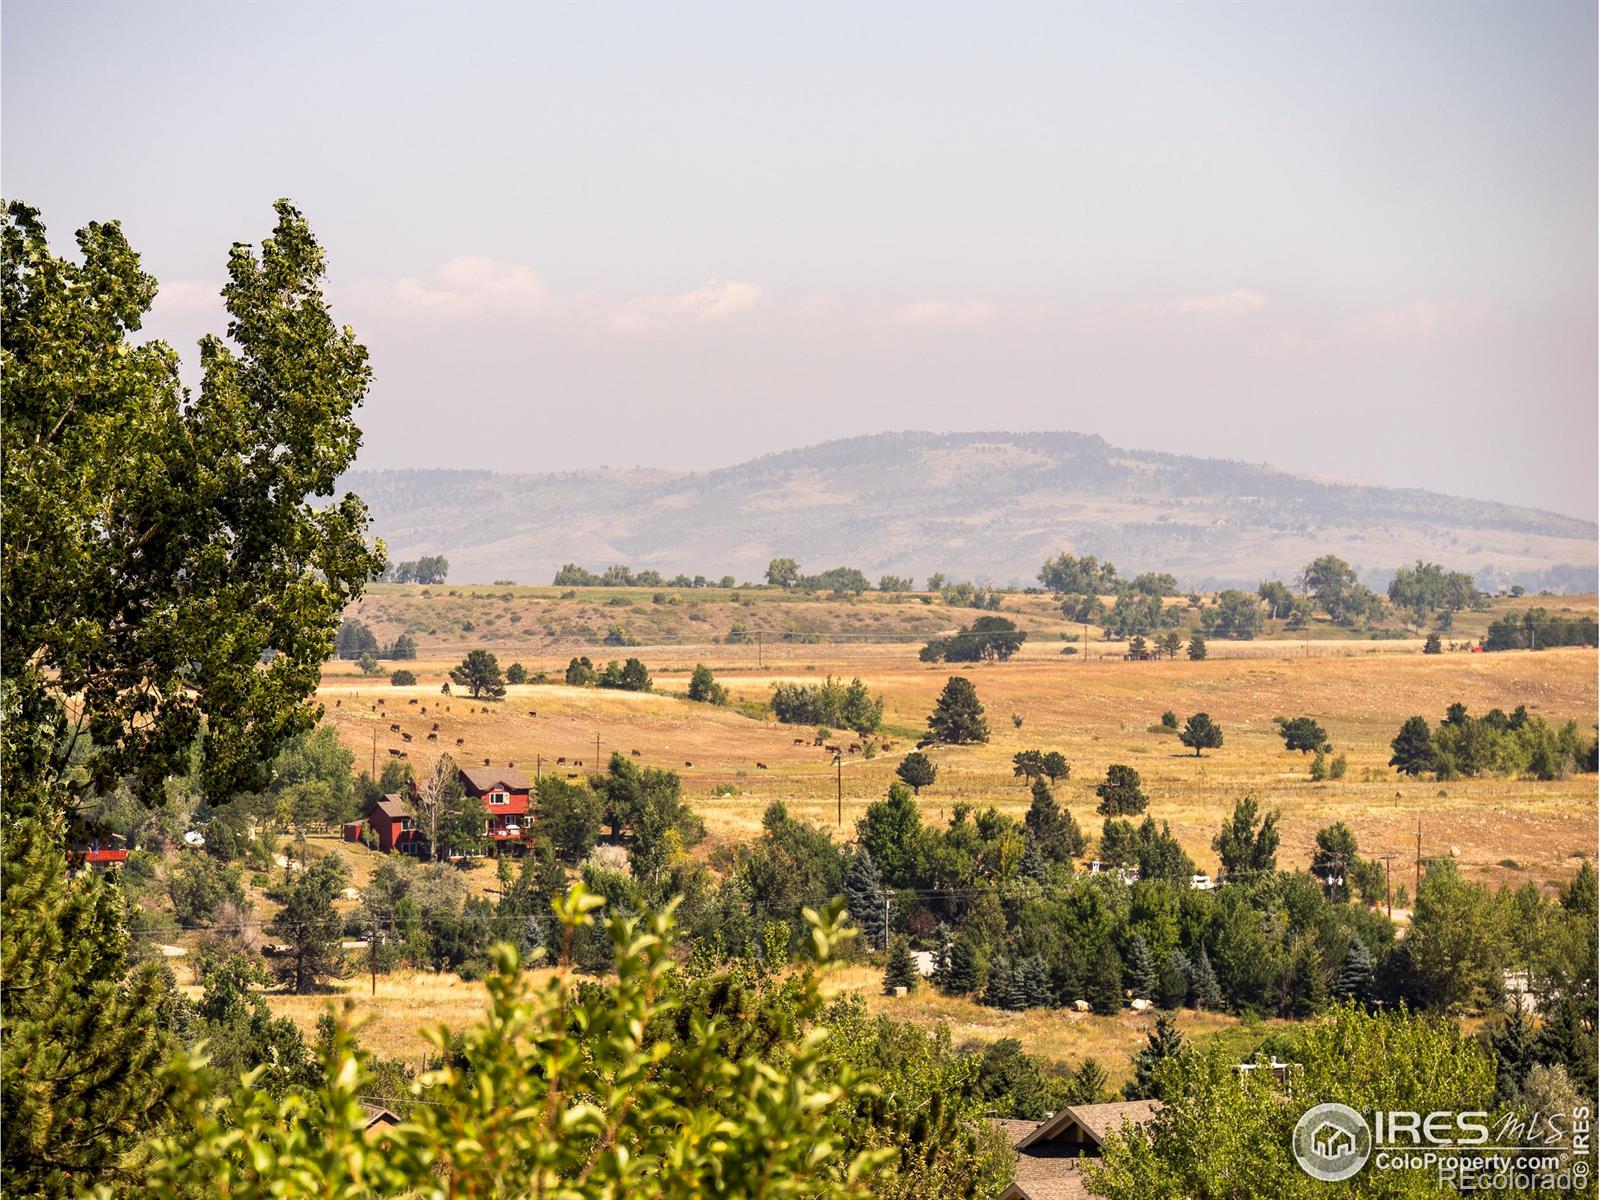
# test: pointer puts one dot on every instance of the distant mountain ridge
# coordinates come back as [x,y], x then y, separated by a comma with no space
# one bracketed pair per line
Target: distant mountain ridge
[983,506]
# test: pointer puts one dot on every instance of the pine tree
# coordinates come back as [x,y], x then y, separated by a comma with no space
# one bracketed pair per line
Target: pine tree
[1306,989]
[901,971]
[1355,973]
[962,978]
[943,946]
[957,718]
[310,925]
[1514,1053]
[863,896]
[1140,971]
[1036,990]
[83,1041]
[1033,865]
[1173,981]
[1088,1084]
[1204,991]
[1164,1041]
[1052,827]
[1105,981]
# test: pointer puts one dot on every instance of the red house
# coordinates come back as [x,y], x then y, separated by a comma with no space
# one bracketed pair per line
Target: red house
[504,793]
[395,828]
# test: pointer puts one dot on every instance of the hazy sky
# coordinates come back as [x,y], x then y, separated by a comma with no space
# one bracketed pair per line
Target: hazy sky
[1349,239]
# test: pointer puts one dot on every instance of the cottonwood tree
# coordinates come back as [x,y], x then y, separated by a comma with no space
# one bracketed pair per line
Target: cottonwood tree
[120,490]
[1245,847]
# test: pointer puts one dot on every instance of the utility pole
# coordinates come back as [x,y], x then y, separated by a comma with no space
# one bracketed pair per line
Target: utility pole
[1388,889]
[1418,883]
[372,955]
[838,767]
[374,754]
[597,752]
[886,894]
[538,769]
[758,650]
[1085,625]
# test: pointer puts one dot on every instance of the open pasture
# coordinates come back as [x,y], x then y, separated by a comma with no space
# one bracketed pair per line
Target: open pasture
[1096,712]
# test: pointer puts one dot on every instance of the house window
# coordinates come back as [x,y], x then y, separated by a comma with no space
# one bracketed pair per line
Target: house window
[499,798]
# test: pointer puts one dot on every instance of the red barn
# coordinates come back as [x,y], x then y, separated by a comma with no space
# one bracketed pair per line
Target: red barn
[391,820]
[504,793]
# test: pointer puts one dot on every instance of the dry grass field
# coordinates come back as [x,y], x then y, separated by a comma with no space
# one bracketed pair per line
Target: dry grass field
[1095,712]
[1096,709]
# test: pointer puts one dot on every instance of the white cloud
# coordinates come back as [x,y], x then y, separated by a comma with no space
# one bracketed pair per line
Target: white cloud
[714,300]
[1237,303]
[946,314]
[1419,321]
[472,285]
[187,297]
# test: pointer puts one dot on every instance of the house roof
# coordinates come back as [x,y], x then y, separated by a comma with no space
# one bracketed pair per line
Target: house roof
[390,806]
[1096,1120]
[376,1114]
[486,779]
[1048,1179]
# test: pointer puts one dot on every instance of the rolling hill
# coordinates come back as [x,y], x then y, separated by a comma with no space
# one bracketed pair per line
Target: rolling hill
[983,506]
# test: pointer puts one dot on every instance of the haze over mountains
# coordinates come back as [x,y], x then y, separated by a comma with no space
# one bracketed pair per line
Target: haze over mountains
[989,507]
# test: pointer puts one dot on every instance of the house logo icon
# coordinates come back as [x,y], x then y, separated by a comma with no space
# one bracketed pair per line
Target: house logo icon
[1332,1142]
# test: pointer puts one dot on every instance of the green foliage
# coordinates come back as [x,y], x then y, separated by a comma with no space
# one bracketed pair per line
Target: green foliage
[1219,1123]
[1197,648]
[1302,734]
[1455,948]
[1537,629]
[355,640]
[831,702]
[569,814]
[1121,792]
[427,570]
[783,572]
[1053,829]
[1464,745]
[120,488]
[1069,575]
[957,717]
[1236,615]
[479,673]
[587,1090]
[1162,1043]
[403,678]
[631,676]
[309,926]
[580,673]
[1413,748]
[1199,733]
[1432,645]
[704,688]
[917,771]
[901,969]
[1428,588]
[987,639]
[516,674]
[891,832]
[863,894]
[1243,847]
[199,885]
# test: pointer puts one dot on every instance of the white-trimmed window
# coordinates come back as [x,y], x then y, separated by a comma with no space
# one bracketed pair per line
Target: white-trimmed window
[499,798]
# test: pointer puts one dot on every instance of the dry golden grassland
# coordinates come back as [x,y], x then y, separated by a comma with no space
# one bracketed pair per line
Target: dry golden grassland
[1096,710]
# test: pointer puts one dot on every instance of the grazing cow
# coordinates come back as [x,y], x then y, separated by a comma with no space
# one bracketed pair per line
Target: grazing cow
[436,727]
[761,766]
[413,700]
[424,710]
[799,741]
[394,729]
[635,753]
[816,741]
[577,762]
[511,764]
[855,747]
[338,703]
[572,774]
[433,737]
[461,741]
[486,762]
[405,737]
[393,753]
[561,762]
[834,749]
[403,754]
[688,764]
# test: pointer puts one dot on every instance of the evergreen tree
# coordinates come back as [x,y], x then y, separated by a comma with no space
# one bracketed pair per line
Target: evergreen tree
[963,976]
[1414,752]
[1036,989]
[901,970]
[1306,986]
[917,771]
[1121,792]
[1033,866]
[1088,1084]
[943,948]
[863,896]
[704,688]
[1163,1042]
[1204,992]
[479,673]
[1004,989]
[1197,648]
[1053,828]
[1355,973]
[83,1037]
[957,718]
[1200,732]
[310,926]
[1105,981]
[1514,1051]
[1172,981]
[1139,973]
[1244,848]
